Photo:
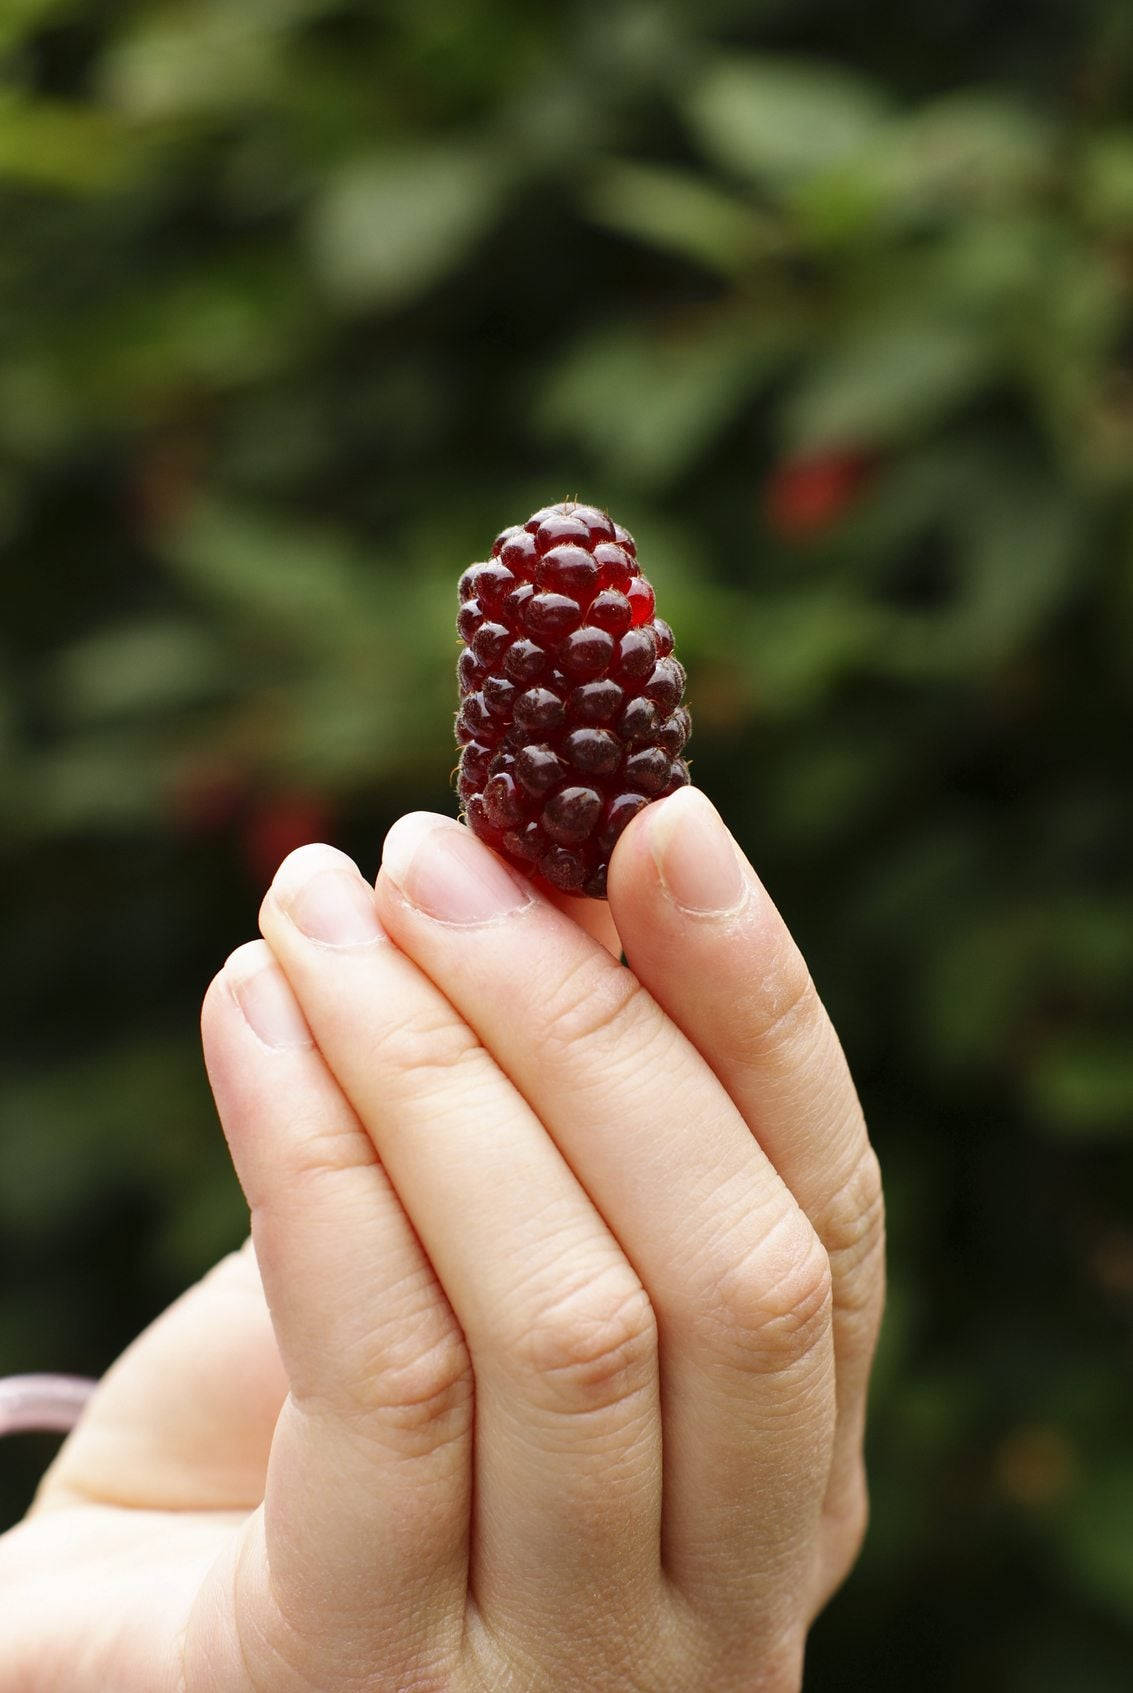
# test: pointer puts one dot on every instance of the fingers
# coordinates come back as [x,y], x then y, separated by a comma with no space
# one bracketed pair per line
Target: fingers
[591,915]
[183,1420]
[561,1334]
[368,1481]
[737,1280]
[701,933]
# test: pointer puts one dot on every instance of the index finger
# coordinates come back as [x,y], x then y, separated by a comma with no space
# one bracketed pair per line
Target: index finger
[701,932]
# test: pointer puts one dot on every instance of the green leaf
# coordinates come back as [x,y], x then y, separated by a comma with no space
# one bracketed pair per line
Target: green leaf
[36,409]
[647,403]
[47,144]
[1081,1087]
[798,646]
[1096,1539]
[203,59]
[283,575]
[968,151]
[682,213]
[386,228]
[832,787]
[778,121]
[21,18]
[965,157]
[220,327]
[1016,551]
[103,782]
[884,381]
[1019,559]
[1106,181]
[161,665]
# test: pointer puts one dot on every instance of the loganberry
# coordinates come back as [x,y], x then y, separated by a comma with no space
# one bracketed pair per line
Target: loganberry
[571,701]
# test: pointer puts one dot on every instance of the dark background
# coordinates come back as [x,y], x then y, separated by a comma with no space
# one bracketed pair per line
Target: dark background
[831,305]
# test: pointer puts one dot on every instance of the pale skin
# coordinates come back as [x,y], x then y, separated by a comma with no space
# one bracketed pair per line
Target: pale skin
[545,1365]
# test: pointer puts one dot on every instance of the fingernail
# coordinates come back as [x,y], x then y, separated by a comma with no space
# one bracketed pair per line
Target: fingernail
[695,855]
[443,870]
[325,897]
[269,1007]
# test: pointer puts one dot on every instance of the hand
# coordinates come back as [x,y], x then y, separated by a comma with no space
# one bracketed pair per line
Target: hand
[574,1272]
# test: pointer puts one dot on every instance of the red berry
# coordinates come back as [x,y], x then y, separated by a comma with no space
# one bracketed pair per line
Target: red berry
[571,715]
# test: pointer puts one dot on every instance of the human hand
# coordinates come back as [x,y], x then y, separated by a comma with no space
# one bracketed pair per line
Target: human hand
[575,1275]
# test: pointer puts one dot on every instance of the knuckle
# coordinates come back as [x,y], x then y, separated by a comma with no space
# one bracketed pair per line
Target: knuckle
[595,999]
[853,1230]
[593,1347]
[429,1038]
[773,1303]
[419,1400]
[324,1150]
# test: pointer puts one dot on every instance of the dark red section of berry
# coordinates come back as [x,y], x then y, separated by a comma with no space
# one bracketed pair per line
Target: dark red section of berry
[571,702]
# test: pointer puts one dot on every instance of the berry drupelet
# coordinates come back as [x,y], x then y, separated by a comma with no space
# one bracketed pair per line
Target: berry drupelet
[571,716]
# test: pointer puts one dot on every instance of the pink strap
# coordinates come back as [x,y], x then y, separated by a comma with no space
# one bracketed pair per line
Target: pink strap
[50,1404]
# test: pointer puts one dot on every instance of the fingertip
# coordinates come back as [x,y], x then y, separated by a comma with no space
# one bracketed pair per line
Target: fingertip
[318,895]
[253,991]
[681,848]
[246,960]
[403,838]
[412,825]
[298,867]
[303,863]
[217,997]
[443,870]
[633,867]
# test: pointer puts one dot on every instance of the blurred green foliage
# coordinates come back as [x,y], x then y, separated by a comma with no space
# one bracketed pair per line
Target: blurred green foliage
[299,303]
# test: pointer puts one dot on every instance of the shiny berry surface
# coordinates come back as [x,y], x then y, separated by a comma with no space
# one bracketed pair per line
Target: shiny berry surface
[572,714]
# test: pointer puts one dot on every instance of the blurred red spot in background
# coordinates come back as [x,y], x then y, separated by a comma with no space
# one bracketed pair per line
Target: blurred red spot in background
[279,823]
[803,497]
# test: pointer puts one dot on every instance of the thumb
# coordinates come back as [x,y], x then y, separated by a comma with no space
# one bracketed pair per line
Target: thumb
[183,1420]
